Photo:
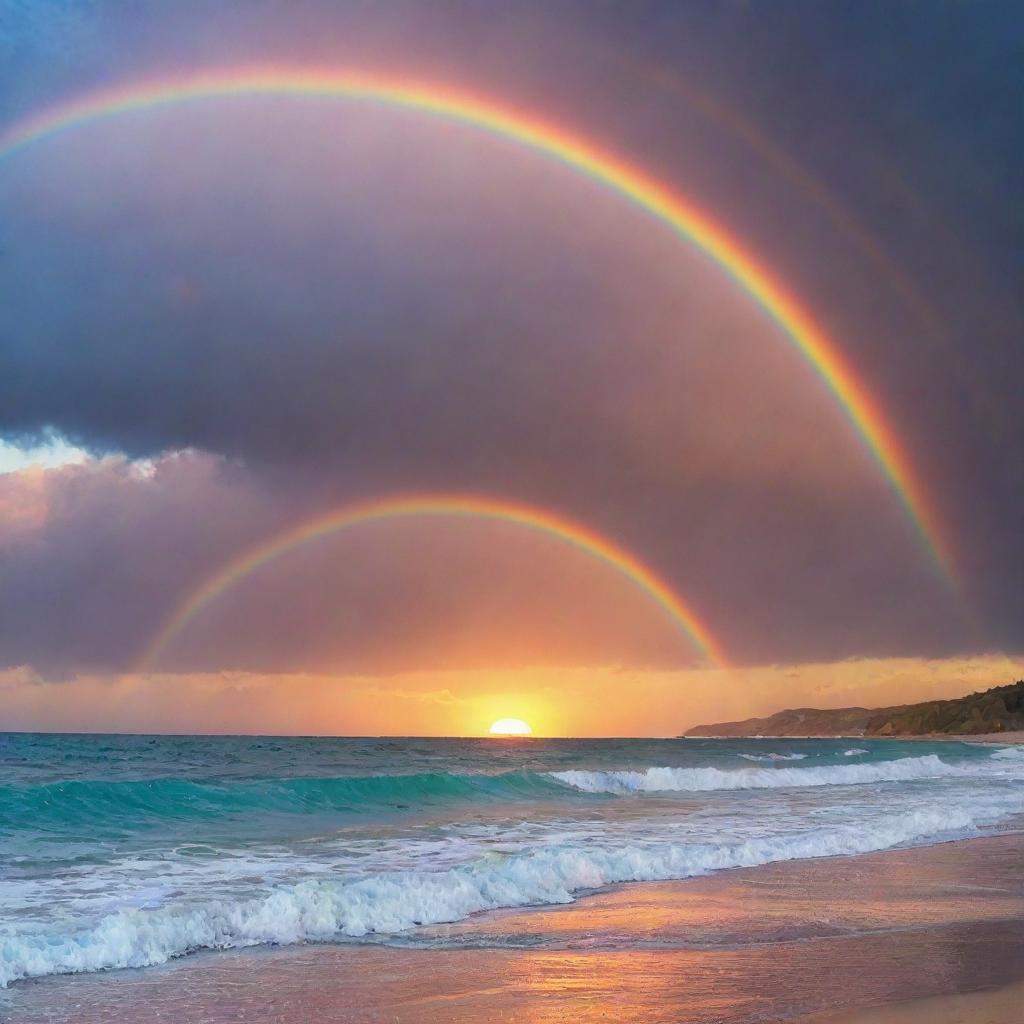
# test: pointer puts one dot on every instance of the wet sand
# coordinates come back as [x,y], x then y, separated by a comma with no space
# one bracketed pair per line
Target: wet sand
[1003,1006]
[830,940]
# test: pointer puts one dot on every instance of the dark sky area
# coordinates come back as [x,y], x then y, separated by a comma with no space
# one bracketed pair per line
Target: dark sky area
[252,310]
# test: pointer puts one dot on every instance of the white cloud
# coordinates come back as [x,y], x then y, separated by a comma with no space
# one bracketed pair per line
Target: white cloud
[52,452]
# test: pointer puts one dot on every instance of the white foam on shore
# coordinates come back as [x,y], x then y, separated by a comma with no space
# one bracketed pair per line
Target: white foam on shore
[386,903]
[703,780]
[1009,753]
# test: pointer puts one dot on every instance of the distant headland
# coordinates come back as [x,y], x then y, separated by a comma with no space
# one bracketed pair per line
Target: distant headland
[996,711]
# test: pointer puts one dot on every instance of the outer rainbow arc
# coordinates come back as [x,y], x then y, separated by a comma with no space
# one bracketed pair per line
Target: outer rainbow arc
[776,156]
[686,220]
[469,506]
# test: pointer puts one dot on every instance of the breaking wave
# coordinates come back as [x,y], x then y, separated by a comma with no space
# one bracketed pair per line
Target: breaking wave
[386,903]
[135,804]
[702,780]
[773,757]
[1009,753]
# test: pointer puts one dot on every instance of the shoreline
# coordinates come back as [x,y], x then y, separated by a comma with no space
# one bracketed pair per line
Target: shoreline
[792,940]
[1007,739]
[1002,739]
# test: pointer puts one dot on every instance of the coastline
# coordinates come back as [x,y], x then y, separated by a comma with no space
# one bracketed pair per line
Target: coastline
[794,941]
[1002,739]
[1008,739]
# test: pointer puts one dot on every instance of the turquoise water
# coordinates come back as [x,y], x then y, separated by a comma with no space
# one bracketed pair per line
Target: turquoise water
[128,850]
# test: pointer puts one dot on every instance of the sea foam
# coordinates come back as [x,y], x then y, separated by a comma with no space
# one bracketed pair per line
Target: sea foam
[1009,753]
[773,757]
[702,780]
[386,903]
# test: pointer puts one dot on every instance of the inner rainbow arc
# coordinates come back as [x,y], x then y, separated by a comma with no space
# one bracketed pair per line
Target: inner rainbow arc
[860,408]
[450,506]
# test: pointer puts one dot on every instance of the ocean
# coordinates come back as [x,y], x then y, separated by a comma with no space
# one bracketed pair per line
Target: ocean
[127,851]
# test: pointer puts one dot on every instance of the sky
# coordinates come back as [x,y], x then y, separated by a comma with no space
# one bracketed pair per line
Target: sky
[229,318]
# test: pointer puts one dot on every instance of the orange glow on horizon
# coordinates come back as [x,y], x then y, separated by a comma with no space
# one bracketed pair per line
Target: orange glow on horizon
[510,727]
[579,701]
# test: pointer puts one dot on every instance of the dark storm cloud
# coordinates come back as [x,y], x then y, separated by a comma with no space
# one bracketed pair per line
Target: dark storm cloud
[91,554]
[95,559]
[383,301]
[348,308]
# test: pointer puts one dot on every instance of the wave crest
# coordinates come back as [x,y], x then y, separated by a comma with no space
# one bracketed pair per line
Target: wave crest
[128,805]
[386,903]
[1009,753]
[703,780]
[773,757]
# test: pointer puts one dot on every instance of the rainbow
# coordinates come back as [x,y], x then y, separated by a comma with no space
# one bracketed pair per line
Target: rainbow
[458,506]
[631,183]
[728,119]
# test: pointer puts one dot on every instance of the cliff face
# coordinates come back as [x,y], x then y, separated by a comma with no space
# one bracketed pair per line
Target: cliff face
[998,710]
[794,722]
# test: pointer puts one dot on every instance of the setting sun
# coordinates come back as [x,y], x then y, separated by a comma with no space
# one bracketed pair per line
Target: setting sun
[510,727]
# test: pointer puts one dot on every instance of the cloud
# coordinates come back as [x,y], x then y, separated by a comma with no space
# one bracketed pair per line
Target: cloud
[392,308]
[96,558]
[317,303]
[90,553]
[47,452]
[386,299]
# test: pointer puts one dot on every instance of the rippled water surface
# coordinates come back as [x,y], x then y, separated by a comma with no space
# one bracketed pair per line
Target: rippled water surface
[127,851]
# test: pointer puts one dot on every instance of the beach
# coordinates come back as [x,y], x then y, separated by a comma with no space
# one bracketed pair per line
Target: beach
[1001,1006]
[216,880]
[910,936]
